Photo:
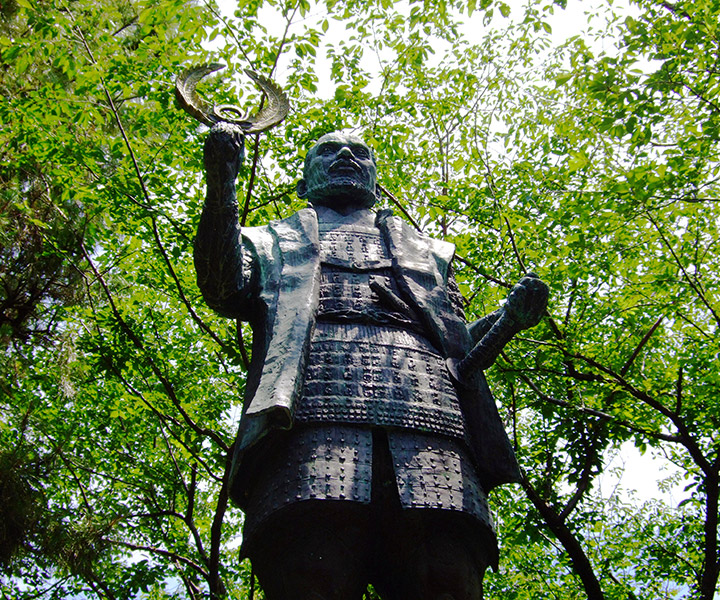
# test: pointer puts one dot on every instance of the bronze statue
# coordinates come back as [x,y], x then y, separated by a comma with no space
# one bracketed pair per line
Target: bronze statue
[369,438]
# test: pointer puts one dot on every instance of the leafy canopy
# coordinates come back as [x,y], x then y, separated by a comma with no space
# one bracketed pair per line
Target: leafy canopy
[593,163]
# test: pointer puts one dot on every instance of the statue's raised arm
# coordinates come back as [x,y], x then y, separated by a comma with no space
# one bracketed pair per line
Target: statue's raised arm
[218,247]
[222,277]
[524,308]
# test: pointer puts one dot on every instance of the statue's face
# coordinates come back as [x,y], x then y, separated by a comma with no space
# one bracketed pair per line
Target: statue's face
[339,172]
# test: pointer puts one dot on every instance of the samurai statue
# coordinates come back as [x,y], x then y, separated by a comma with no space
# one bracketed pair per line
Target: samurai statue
[369,439]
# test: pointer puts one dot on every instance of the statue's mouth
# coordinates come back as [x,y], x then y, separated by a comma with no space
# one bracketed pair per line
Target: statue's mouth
[344,166]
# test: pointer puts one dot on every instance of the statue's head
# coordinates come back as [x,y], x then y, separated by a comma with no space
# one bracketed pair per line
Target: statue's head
[339,173]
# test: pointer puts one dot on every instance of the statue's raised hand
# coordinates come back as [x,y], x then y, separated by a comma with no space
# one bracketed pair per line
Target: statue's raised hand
[527,302]
[224,150]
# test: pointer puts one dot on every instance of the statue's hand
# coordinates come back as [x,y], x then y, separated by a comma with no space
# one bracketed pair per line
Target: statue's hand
[527,302]
[224,150]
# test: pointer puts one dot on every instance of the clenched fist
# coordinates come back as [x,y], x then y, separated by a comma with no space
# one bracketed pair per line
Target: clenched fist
[224,150]
[527,302]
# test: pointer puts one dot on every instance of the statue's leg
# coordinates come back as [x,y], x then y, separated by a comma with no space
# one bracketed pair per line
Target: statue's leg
[431,555]
[313,550]
[423,553]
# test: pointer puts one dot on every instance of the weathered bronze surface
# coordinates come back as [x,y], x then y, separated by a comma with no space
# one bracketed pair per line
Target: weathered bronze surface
[268,116]
[369,438]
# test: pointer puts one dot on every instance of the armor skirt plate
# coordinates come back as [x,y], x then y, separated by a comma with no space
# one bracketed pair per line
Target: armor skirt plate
[378,375]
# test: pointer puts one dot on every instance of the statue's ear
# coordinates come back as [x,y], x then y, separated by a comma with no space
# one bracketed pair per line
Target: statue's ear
[301,189]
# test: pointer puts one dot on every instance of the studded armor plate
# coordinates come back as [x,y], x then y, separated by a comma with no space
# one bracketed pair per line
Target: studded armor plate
[355,247]
[326,462]
[313,463]
[435,472]
[352,263]
[378,376]
[369,369]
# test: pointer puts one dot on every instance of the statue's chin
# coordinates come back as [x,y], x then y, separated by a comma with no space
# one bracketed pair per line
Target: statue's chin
[342,193]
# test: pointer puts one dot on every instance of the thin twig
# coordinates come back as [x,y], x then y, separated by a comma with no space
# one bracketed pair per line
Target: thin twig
[514,246]
[256,146]
[161,552]
[138,343]
[396,202]
[697,290]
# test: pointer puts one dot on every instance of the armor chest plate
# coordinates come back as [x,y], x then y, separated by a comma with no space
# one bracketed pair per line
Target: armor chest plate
[354,260]
[355,248]
[368,363]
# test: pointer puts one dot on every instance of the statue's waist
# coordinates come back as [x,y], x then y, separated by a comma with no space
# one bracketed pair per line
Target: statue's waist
[381,376]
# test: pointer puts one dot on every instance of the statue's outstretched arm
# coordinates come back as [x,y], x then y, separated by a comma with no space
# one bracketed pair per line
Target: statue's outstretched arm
[218,255]
[524,309]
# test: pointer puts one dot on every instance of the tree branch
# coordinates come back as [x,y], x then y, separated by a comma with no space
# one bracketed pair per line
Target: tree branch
[514,246]
[396,202]
[256,147]
[189,521]
[598,413]
[685,438]
[585,477]
[673,8]
[697,290]
[581,564]
[217,587]
[480,272]
[137,342]
[711,563]
[161,552]
[639,347]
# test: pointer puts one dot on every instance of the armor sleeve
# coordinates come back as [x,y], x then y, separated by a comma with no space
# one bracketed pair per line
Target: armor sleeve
[479,328]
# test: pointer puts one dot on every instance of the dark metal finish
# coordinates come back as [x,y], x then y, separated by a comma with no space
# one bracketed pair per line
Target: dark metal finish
[362,422]
[437,472]
[356,279]
[271,114]
[524,308]
[380,376]
[316,463]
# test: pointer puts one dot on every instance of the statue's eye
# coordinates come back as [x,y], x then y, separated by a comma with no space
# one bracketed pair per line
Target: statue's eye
[361,152]
[326,150]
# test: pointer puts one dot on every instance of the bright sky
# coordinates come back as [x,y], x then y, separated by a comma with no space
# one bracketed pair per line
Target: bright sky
[580,16]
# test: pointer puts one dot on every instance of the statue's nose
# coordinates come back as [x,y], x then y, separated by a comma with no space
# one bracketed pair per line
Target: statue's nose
[345,152]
